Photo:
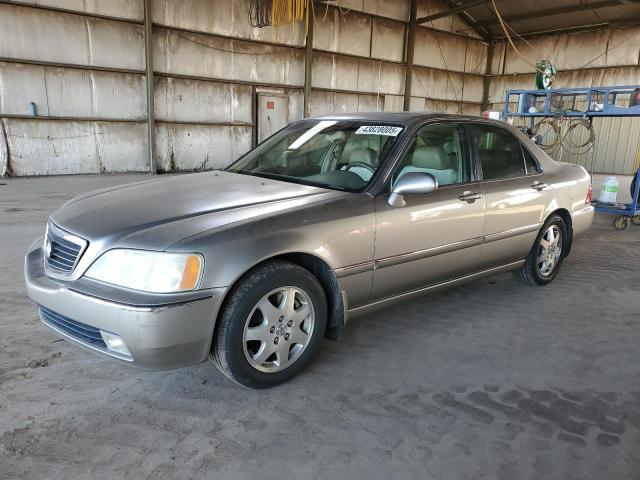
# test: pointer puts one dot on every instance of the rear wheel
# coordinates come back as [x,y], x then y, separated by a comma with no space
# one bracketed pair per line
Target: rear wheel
[271,326]
[546,255]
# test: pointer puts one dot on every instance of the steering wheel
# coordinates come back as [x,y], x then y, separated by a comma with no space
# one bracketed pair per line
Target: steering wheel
[366,166]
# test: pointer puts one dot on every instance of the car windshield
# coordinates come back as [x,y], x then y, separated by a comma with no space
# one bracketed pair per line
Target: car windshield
[335,154]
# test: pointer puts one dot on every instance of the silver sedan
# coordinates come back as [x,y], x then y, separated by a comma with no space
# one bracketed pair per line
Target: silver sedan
[329,218]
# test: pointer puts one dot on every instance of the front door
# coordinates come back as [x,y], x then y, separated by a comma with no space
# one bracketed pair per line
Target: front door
[437,236]
[515,192]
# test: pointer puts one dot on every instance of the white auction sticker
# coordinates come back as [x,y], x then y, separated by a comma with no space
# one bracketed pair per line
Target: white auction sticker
[379,130]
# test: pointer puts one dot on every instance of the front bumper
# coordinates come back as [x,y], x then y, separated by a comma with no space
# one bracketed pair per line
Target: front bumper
[159,336]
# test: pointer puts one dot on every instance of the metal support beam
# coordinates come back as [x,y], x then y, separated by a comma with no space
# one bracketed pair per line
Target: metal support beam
[408,60]
[453,11]
[308,68]
[487,78]
[582,28]
[484,33]
[466,17]
[552,11]
[148,54]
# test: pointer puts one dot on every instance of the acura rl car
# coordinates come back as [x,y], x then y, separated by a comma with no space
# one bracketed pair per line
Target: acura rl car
[331,217]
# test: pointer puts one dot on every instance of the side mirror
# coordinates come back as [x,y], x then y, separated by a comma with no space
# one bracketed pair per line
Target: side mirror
[537,139]
[412,182]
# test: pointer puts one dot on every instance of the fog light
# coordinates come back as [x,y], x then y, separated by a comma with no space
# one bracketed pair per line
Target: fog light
[115,343]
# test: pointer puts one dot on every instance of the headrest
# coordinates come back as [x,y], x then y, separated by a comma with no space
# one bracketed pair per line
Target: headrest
[497,163]
[364,155]
[431,157]
[496,159]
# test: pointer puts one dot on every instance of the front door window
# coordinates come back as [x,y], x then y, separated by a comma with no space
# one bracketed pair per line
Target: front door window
[438,150]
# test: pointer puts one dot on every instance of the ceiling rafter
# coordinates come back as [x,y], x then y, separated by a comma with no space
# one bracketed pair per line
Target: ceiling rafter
[484,33]
[553,11]
[581,28]
[452,11]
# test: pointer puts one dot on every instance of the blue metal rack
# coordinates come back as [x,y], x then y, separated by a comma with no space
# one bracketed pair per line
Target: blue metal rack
[586,102]
[572,102]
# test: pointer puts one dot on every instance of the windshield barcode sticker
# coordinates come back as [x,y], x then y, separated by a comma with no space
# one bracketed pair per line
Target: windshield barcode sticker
[379,130]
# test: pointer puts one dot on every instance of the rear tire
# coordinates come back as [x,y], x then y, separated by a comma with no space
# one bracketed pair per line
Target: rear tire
[271,326]
[546,255]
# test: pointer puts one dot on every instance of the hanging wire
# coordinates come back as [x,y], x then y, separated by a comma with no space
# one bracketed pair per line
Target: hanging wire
[579,137]
[260,13]
[545,128]
[608,49]
[446,67]
[220,49]
[531,45]
[508,35]
[263,13]
[285,12]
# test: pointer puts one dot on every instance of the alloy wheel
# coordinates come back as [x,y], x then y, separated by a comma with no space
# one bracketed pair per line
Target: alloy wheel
[549,250]
[278,329]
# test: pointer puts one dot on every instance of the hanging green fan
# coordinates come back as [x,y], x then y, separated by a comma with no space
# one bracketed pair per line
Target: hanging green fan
[545,74]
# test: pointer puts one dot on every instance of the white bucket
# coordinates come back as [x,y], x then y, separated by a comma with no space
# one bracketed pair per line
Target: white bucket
[609,190]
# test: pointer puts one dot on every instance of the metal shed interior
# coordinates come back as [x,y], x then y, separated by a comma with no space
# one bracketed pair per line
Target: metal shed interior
[76,75]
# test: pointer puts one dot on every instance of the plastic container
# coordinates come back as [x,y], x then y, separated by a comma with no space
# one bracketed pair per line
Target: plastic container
[609,190]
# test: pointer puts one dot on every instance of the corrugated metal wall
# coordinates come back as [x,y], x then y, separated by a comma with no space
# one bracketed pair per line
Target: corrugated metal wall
[595,58]
[82,64]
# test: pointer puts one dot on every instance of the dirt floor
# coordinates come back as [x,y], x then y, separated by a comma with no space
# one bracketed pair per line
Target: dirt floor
[490,380]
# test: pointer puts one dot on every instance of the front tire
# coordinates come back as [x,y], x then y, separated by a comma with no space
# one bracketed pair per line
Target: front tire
[546,255]
[271,326]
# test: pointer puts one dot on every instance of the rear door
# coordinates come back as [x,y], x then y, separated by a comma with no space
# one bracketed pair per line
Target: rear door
[516,195]
[437,236]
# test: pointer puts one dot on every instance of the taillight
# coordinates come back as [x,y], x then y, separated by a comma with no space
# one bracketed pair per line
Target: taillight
[587,200]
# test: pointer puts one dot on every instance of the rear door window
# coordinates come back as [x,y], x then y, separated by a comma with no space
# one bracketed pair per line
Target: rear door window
[499,151]
[530,162]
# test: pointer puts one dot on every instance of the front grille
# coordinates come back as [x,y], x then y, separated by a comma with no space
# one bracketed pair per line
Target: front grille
[76,330]
[62,250]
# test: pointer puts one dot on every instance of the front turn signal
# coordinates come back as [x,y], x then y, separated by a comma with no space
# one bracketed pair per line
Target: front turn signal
[191,273]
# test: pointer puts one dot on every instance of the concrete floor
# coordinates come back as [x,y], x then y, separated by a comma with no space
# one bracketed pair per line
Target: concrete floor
[490,380]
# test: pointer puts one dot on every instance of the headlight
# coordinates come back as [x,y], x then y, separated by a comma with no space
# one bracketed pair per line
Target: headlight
[155,272]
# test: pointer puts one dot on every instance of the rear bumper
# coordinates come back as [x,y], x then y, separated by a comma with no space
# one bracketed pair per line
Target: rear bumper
[158,337]
[582,219]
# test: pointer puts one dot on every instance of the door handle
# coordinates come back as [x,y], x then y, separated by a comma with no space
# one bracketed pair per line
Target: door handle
[470,197]
[539,185]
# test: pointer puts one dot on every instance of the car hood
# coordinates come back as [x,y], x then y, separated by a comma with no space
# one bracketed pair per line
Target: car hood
[155,214]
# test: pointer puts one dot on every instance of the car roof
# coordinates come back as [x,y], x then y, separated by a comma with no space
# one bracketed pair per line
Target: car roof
[407,118]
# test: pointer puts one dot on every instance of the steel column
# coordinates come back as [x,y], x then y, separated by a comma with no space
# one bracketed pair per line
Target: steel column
[308,64]
[487,77]
[408,69]
[148,53]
